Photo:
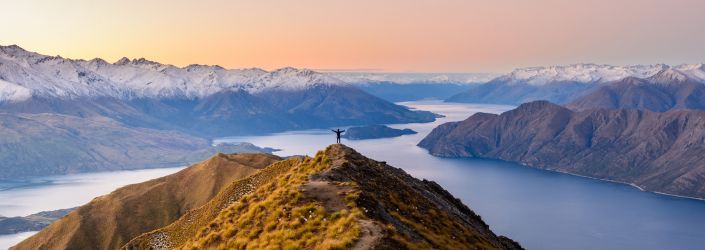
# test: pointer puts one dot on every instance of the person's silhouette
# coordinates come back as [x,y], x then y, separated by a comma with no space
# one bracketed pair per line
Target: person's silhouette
[337,134]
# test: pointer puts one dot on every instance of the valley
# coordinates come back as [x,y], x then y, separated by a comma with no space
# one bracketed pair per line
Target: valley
[529,205]
[361,125]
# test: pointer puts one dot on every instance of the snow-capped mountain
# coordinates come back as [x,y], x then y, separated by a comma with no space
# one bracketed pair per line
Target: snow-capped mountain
[562,84]
[413,78]
[198,99]
[595,73]
[24,72]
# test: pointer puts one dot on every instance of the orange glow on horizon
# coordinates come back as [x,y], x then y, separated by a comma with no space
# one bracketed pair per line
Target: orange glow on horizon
[395,35]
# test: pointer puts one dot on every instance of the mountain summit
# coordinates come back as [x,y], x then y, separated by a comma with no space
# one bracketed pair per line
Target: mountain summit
[55,76]
[562,84]
[337,199]
[668,89]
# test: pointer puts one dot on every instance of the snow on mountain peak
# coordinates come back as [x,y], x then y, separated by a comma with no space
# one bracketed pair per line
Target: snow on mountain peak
[122,61]
[13,92]
[12,50]
[668,76]
[27,73]
[411,78]
[695,71]
[584,73]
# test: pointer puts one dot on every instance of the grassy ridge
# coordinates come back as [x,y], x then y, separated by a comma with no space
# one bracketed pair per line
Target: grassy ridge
[337,200]
[110,221]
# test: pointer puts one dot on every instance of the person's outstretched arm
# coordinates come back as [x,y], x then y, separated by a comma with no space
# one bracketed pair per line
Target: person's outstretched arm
[342,131]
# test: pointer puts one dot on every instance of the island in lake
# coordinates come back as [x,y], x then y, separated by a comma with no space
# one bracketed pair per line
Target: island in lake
[33,222]
[374,132]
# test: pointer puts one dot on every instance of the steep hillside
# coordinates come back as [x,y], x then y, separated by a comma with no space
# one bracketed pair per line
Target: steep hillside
[396,92]
[398,87]
[51,144]
[206,101]
[339,199]
[499,91]
[63,115]
[325,106]
[669,89]
[661,152]
[109,221]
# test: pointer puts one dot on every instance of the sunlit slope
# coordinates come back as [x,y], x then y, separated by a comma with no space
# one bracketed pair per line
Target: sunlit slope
[109,221]
[338,199]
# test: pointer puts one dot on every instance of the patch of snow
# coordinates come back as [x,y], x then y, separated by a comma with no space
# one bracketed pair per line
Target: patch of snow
[408,78]
[13,92]
[54,76]
[583,73]
[694,71]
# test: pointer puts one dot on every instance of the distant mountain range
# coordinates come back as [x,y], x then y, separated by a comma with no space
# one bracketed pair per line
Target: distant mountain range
[642,125]
[398,87]
[63,115]
[197,99]
[338,199]
[669,89]
[563,84]
[660,152]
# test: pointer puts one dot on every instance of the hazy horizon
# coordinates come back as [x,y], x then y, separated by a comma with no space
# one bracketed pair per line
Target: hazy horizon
[391,36]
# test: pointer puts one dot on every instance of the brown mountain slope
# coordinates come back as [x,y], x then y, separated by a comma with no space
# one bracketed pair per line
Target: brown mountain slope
[109,221]
[663,152]
[339,199]
[667,90]
[52,144]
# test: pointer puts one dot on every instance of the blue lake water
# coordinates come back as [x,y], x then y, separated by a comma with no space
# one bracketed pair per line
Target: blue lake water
[539,209]
[29,196]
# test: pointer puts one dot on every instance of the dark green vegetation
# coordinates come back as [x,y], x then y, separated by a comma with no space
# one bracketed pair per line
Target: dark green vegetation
[32,222]
[374,132]
[336,200]
[661,152]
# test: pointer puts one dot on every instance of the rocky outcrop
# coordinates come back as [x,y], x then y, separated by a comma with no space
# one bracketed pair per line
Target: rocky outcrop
[661,152]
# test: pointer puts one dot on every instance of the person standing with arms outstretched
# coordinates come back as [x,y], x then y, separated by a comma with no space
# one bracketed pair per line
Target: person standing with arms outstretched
[337,134]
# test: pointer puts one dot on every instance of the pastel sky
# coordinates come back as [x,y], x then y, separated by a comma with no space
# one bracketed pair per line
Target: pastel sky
[385,35]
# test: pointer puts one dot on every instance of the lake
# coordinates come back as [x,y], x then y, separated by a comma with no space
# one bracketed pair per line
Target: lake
[539,209]
[32,195]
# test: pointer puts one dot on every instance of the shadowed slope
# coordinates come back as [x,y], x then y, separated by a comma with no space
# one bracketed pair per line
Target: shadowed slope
[109,221]
[662,152]
[667,90]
